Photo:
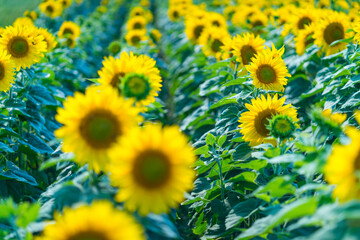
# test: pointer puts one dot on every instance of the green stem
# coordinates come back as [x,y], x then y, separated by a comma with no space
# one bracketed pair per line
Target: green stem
[218,161]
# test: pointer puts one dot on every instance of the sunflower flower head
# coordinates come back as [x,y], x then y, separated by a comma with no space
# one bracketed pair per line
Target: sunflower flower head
[282,127]
[328,121]
[6,71]
[51,8]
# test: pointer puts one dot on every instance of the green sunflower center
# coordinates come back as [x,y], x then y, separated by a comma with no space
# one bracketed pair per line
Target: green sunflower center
[18,47]
[198,30]
[100,129]
[116,80]
[262,120]
[266,74]
[68,31]
[282,126]
[69,42]
[135,40]
[138,25]
[2,71]
[152,169]
[247,52]
[49,9]
[216,45]
[136,86]
[88,235]
[303,22]
[334,32]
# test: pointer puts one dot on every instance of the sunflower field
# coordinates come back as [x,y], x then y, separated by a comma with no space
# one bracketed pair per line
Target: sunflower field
[180,119]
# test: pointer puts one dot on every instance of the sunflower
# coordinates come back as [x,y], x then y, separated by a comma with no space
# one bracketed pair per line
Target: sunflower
[332,28]
[69,29]
[32,15]
[51,8]
[135,37]
[246,47]
[23,44]
[253,122]
[217,20]
[23,21]
[114,47]
[136,23]
[343,166]
[298,21]
[6,71]
[212,39]
[242,14]
[94,123]
[268,71]
[337,118]
[227,48]
[65,3]
[140,11]
[304,39]
[257,21]
[282,127]
[194,27]
[155,35]
[92,222]
[48,38]
[152,168]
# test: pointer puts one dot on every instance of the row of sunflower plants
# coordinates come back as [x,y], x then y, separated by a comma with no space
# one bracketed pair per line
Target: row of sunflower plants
[180,119]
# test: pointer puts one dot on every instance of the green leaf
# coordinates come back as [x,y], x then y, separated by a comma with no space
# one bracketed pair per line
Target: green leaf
[221,140]
[210,139]
[277,187]
[54,161]
[14,172]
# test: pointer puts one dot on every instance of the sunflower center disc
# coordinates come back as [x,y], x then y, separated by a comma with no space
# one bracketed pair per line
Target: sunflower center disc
[116,80]
[175,14]
[282,126]
[2,71]
[266,74]
[303,22]
[247,52]
[100,129]
[257,23]
[68,31]
[216,45]
[262,120]
[137,26]
[136,86]
[334,32]
[152,169]
[18,47]
[216,23]
[49,9]
[88,236]
[198,30]
[135,40]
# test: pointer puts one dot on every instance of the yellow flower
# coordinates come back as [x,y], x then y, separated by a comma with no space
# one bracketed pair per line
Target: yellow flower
[338,118]
[242,14]
[268,71]
[48,38]
[212,39]
[23,44]
[23,21]
[32,15]
[155,35]
[152,168]
[135,37]
[136,23]
[175,12]
[6,71]
[304,39]
[216,20]
[253,122]
[51,8]
[332,28]
[194,28]
[140,11]
[257,21]
[98,221]
[94,123]
[298,21]
[343,166]
[246,47]
[69,29]
[65,3]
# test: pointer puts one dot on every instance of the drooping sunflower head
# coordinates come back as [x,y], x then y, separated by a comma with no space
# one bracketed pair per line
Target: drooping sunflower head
[135,37]
[150,176]
[331,29]
[212,39]
[51,8]
[23,21]
[6,71]
[194,28]
[48,38]
[69,29]
[343,166]
[246,47]
[304,39]
[92,223]
[268,72]
[136,23]
[254,121]
[94,123]
[23,44]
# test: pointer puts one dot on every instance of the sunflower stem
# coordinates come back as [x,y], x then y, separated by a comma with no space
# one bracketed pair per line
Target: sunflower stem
[218,161]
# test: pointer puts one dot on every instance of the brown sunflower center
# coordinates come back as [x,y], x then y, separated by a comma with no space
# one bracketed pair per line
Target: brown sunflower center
[116,80]
[247,52]
[216,23]
[18,47]
[70,42]
[2,71]
[198,30]
[266,74]
[303,22]
[138,25]
[50,9]
[216,45]
[334,32]
[176,14]
[357,162]
[152,169]
[135,40]
[257,23]
[88,235]
[100,128]
[68,31]
[262,120]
